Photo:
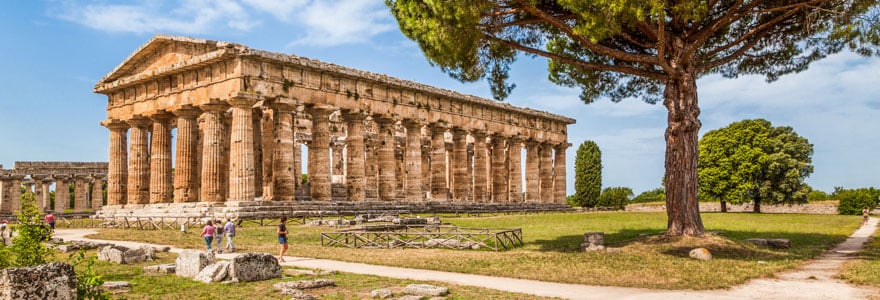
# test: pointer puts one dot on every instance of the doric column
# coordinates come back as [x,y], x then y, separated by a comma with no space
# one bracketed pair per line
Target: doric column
[337,169]
[139,162]
[481,163]
[371,170]
[319,153]
[186,174]
[460,179]
[438,162]
[268,140]
[15,204]
[259,182]
[212,188]
[533,187]
[117,169]
[28,185]
[242,181]
[413,160]
[97,191]
[284,172]
[387,163]
[426,166]
[160,158]
[546,173]
[297,153]
[354,178]
[514,158]
[499,170]
[5,194]
[559,173]
[47,196]
[38,189]
[62,193]
[80,192]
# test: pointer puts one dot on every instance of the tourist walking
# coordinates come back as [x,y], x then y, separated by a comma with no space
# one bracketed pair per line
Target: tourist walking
[50,219]
[282,238]
[866,213]
[3,228]
[208,233]
[229,230]
[218,235]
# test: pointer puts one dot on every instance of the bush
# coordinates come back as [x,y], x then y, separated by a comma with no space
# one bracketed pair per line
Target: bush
[88,284]
[853,201]
[817,195]
[615,197]
[27,248]
[655,195]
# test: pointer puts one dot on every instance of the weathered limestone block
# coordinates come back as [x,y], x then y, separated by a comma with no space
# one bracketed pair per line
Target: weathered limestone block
[304,284]
[772,243]
[191,262]
[161,269]
[56,281]
[382,293]
[254,267]
[701,254]
[215,272]
[410,221]
[593,241]
[425,290]
[116,287]
[123,255]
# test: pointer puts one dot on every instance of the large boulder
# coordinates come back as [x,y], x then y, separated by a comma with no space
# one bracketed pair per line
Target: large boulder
[55,281]
[700,254]
[772,243]
[593,241]
[191,262]
[124,255]
[215,272]
[254,267]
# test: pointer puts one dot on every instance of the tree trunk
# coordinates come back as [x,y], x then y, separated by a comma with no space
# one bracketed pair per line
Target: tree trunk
[682,132]
[723,206]
[757,206]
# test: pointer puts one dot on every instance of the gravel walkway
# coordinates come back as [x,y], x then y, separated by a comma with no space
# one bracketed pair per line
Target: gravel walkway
[812,280]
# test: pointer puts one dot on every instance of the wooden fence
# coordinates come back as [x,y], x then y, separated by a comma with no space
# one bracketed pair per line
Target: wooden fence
[424,236]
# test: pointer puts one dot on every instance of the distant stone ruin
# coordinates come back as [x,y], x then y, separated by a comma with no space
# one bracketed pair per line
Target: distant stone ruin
[38,177]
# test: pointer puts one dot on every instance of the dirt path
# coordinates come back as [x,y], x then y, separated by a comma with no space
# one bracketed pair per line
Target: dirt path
[812,280]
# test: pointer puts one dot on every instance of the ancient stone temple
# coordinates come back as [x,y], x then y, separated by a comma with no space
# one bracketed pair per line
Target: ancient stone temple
[246,121]
[37,177]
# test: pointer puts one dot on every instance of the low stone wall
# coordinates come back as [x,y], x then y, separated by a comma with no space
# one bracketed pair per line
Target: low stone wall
[56,281]
[274,209]
[808,208]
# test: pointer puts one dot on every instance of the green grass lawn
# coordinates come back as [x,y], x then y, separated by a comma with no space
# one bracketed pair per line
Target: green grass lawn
[348,286]
[552,242]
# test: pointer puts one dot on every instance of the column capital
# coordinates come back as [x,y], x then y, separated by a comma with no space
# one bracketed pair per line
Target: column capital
[244,99]
[114,124]
[497,138]
[515,139]
[478,134]
[161,116]
[139,121]
[438,126]
[354,116]
[187,111]
[283,104]
[99,176]
[456,130]
[16,177]
[563,145]
[413,123]
[5,177]
[214,106]
[531,143]
[323,111]
[383,119]
[37,177]
[81,176]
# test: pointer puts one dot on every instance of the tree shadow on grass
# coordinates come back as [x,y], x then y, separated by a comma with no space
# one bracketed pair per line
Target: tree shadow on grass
[727,245]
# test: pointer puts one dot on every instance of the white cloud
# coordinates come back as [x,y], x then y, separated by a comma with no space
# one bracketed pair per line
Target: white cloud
[331,23]
[191,17]
[319,23]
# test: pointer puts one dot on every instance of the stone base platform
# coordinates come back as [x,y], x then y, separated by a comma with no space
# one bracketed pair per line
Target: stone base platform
[274,209]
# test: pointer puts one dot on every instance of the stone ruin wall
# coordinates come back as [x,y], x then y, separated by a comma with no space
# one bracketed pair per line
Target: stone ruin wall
[243,117]
[38,177]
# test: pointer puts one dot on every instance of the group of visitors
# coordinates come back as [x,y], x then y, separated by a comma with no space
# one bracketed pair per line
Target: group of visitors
[210,232]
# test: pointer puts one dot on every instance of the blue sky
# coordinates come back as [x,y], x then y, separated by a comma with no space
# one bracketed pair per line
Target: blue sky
[53,52]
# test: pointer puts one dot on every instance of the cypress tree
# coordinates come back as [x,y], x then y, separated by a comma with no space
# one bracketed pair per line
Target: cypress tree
[588,174]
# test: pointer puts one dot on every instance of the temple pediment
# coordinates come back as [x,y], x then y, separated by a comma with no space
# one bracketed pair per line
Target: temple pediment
[162,52]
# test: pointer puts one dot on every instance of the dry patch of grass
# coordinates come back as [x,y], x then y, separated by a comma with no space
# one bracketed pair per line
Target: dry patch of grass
[552,243]
[865,269]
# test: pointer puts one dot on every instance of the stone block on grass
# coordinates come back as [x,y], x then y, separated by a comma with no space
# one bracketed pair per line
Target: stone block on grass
[190,262]
[215,272]
[701,254]
[254,267]
[425,290]
[55,281]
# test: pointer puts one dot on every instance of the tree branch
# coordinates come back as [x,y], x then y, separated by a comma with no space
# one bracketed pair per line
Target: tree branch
[580,63]
[755,31]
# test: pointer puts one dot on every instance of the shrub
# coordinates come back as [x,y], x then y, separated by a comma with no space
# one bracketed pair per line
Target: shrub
[853,201]
[88,284]
[655,195]
[817,195]
[615,197]
[27,249]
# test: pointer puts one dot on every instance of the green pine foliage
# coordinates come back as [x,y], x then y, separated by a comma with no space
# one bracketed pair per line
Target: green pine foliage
[615,197]
[853,201]
[27,248]
[588,175]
